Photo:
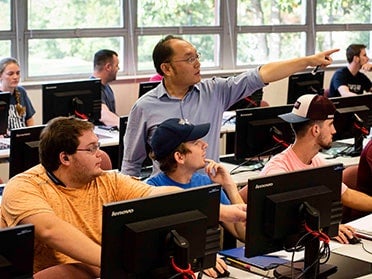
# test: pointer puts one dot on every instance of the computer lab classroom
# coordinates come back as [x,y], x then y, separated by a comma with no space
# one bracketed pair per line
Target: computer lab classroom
[55,41]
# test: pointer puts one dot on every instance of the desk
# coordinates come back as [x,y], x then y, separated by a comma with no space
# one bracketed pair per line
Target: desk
[351,260]
[347,268]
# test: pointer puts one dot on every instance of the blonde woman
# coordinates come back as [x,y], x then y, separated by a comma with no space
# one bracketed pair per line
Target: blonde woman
[21,111]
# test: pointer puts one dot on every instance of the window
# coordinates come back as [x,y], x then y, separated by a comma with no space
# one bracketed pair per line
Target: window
[52,57]
[57,39]
[341,22]
[5,15]
[72,14]
[268,12]
[177,13]
[5,28]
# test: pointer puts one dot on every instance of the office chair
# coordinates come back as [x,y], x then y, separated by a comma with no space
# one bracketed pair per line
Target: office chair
[106,161]
[349,177]
[71,271]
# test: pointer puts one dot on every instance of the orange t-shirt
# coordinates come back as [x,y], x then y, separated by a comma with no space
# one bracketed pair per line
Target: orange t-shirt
[33,192]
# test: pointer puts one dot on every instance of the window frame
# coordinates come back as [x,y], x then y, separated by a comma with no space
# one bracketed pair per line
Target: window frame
[227,30]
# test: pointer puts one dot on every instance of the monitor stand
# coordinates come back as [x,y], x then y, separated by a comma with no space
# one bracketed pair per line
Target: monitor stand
[310,267]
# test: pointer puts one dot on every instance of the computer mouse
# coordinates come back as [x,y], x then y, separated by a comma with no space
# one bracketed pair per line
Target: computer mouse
[223,274]
[354,240]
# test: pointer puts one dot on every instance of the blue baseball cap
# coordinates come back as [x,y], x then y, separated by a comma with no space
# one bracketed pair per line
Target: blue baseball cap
[174,131]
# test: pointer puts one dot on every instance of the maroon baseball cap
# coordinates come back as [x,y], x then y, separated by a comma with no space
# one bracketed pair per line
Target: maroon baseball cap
[310,107]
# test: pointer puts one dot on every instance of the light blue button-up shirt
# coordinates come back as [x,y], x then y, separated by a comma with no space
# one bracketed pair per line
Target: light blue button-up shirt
[205,102]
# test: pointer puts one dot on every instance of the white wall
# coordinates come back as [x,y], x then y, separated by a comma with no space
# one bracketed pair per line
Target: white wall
[126,92]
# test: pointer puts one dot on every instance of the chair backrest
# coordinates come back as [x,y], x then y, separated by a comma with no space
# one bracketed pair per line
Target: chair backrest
[326,92]
[106,163]
[349,176]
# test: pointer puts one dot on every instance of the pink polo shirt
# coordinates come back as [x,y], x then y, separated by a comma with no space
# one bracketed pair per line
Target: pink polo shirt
[287,161]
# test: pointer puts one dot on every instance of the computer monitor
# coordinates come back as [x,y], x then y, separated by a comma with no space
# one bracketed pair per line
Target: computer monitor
[251,101]
[146,86]
[353,119]
[24,149]
[123,122]
[146,168]
[17,252]
[304,83]
[81,99]
[139,237]
[279,205]
[4,112]
[260,132]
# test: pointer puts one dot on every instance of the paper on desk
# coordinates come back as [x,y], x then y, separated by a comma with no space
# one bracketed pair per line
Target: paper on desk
[228,117]
[288,255]
[5,140]
[364,223]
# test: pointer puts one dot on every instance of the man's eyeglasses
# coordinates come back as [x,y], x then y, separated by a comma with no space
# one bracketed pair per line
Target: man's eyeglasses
[92,150]
[191,59]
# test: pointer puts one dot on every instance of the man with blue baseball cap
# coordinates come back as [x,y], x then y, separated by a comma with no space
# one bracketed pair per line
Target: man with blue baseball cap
[180,150]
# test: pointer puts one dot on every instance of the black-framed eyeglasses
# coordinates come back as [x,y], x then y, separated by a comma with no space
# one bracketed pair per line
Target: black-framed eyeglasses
[190,60]
[92,149]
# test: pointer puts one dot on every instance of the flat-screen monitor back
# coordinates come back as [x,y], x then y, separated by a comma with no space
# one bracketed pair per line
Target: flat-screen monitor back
[259,131]
[17,252]
[304,83]
[274,218]
[135,233]
[251,101]
[146,86]
[349,109]
[24,149]
[4,112]
[123,122]
[81,99]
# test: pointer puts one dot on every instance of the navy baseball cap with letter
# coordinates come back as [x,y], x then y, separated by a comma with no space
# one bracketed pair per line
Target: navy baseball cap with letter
[174,131]
[310,107]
